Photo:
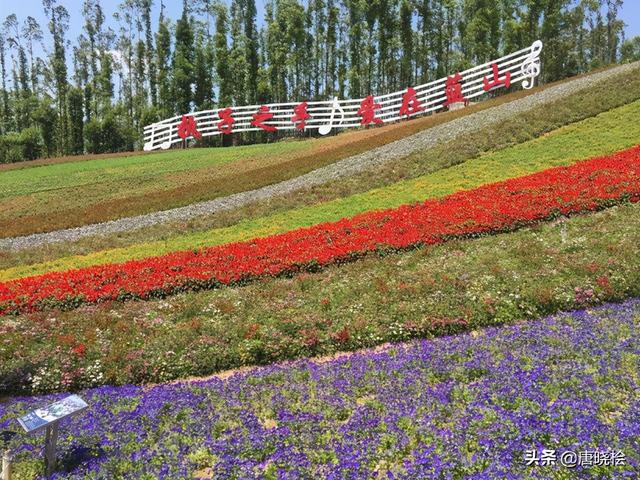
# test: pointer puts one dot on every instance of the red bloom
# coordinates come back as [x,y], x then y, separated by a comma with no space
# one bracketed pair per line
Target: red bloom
[584,186]
[79,349]
[342,336]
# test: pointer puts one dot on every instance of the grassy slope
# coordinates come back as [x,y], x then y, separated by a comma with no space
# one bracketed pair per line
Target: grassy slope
[599,97]
[606,133]
[94,188]
[459,285]
[67,194]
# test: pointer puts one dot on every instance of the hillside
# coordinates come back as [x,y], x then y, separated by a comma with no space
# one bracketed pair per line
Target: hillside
[72,194]
[417,273]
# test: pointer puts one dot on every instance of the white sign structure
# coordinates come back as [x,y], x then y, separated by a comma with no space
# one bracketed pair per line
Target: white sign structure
[43,417]
[521,66]
[49,417]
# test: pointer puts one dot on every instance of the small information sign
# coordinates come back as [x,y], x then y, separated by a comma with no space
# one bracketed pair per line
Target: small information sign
[43,417]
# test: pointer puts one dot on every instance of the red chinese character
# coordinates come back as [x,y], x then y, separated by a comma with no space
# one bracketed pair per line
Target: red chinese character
[188,128]
[225,125]
[410,103]
[262,116]
[367,111]
[497,81]
[300,114]
[453,90]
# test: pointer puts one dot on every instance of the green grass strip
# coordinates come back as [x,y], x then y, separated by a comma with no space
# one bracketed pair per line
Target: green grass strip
[129,170]
[601,135]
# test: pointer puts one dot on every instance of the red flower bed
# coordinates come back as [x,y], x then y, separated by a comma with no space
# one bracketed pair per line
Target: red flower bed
[584,186]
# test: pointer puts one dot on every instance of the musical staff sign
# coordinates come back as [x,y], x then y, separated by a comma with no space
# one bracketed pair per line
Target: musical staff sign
[521,66]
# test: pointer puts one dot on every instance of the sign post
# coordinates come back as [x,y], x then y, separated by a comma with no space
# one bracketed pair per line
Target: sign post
[49,419]
[6,454]
[50,441]
[6,465]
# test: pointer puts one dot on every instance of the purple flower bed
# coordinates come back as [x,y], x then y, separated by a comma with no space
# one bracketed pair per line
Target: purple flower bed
[468,406]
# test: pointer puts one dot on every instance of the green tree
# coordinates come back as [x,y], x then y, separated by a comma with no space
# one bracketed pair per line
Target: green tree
[330,50]
[237,55]
[251,45]
[406,36]
[46,117]
[222,56]
[630,50]
[163,57]
[6,108]
[58,25]
[76,121]
[203,95]
[183,63]
[145,7]
[32,33]
[355,35]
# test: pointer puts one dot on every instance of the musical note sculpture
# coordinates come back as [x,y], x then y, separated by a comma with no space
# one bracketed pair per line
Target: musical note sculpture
[324,116]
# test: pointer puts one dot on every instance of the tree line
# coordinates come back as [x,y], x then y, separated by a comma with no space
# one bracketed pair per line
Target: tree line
[95,93]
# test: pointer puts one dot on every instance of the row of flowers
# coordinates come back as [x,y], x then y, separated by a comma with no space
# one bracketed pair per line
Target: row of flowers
[482,405]
[584,186]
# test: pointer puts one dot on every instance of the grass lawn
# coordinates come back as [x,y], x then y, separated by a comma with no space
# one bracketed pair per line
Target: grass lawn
[604,134]
[426,292]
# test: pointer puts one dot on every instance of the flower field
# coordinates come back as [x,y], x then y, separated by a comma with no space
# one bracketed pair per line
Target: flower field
[98,189]
[450,315]
[468,406]
[584,186]
[449,171]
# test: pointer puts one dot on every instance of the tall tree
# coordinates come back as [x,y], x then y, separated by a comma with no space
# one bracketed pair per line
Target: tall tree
[237,55]
[6,108]
[355,35]
[183,63]
[126,18]
[32,33]
[330,50]
[222,56]
[203,94]
[423,50]
[76,121]
[93,20]
[145,7]
[58,25]
[406,36]
[163,58]
[251,45]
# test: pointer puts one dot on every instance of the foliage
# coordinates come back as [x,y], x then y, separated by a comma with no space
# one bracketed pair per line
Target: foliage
[17,147]
[110,134]
[630,50]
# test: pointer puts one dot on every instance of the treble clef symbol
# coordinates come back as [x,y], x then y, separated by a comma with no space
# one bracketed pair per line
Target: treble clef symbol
[324,129]
[531,66]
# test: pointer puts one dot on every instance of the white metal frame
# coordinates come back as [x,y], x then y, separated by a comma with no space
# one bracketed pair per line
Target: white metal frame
[523,65]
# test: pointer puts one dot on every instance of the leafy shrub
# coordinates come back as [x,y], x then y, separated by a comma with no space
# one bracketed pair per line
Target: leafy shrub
[18,147]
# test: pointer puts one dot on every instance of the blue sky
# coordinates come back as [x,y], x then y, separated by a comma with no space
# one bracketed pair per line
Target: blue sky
[630,12]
